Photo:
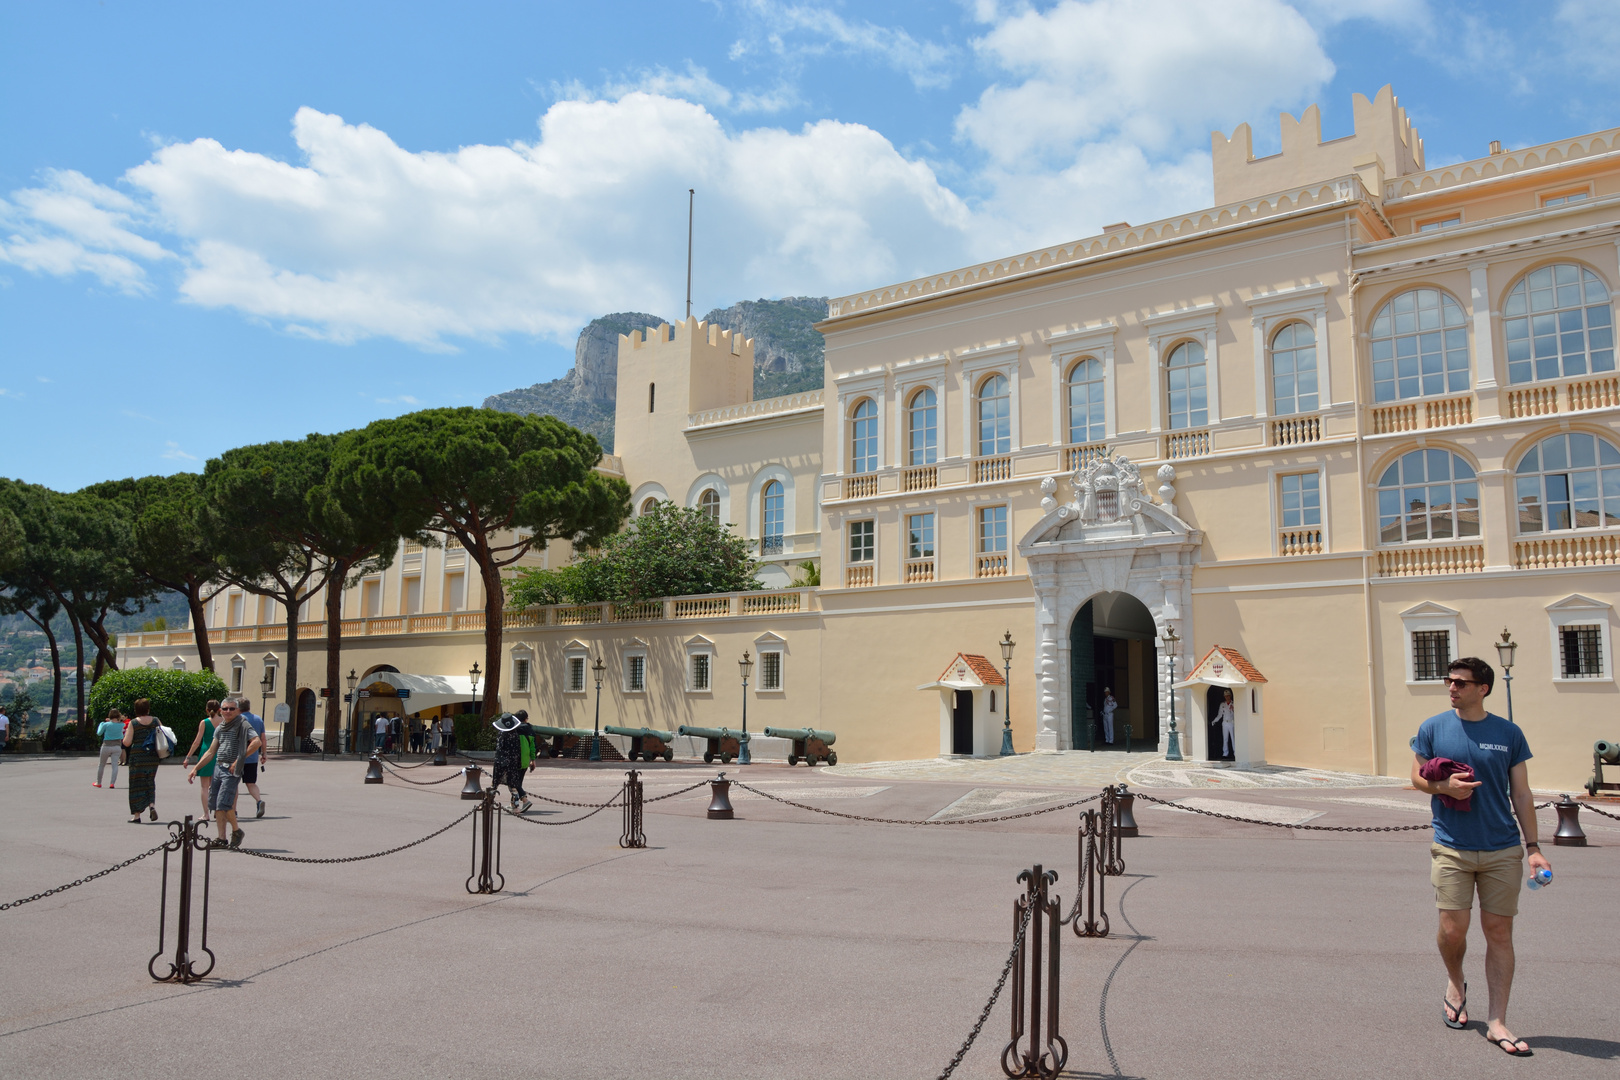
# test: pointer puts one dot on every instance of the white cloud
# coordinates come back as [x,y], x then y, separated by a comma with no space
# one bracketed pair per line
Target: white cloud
[798,31]
[174,453]
[1158,73]
[71,225]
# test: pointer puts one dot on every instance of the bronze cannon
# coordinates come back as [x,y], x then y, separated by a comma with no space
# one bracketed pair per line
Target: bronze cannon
[724,743]
[648,742]
[808,743]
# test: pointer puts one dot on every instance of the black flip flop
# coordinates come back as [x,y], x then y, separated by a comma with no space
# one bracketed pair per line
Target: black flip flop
[1457,1010]
[1511,1046]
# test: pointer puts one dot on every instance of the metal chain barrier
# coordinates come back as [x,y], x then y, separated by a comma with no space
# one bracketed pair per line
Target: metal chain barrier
[683,791]
[355,858]
[919,821]
[82,881]
[1595,810]
[419,783]
[581,805]
[1284,825]
[984,1014]
[570,821]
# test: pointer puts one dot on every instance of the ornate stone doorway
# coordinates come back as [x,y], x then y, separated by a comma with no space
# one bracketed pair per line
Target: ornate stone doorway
[1113,649]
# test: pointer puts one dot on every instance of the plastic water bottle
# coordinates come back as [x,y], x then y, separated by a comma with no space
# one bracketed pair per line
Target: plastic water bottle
[1540,878]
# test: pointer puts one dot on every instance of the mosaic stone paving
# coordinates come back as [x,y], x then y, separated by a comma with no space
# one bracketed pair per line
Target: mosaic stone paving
[994,800]
[1281,815]
[1085,769]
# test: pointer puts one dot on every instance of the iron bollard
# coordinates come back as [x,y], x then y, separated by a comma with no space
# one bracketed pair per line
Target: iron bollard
[487,824]
[183,968]
[374,773]
[1040,906]
[1570,833]
[1096,840]
[470,789]
[1124,819]
[438,755]
[720,799]
[633,835]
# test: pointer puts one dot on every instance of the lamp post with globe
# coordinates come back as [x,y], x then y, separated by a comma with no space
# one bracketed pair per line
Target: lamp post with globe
[1505,650]
[1173,750]
[1007,644]
[746,666]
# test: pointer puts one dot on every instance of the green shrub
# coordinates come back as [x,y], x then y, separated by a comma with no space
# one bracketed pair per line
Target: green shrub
[179,698]
[472,733]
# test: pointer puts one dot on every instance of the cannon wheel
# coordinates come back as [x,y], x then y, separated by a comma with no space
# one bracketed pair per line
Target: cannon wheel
[810,760]
[669,755]
[1591,787]
[793,759]
[708,757]
[725,759]
[832,757]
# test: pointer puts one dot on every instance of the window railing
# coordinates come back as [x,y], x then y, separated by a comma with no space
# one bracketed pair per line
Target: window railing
[427,624]
[1594,394]
[1299,541]
[920,478]
[1559,551]
[990,566]
[1186,444]
[1422,561]
[1078,457]
[918,570]
[1416,416]
[856,577]
[1532,401]
[992,470]
[1296,430]
[860,487]
[515,620]
[1389,419]
[771,545]
[1448,412]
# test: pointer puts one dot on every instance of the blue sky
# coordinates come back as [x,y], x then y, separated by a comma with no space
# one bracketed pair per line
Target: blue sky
[223,224]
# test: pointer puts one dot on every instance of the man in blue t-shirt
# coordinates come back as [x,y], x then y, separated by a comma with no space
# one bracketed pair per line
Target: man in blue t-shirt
[1476,841]
[250,767]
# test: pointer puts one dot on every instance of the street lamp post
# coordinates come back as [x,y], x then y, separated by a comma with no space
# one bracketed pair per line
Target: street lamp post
[1007,644]
[1173,751]
[1505,650]
[354,706]
[475,675]
[596,739]
[746,666]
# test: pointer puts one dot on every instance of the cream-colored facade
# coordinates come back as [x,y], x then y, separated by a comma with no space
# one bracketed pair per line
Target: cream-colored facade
[1348,424]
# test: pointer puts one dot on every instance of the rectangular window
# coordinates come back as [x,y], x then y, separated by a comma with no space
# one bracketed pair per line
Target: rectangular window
[1565,197]
[992,530]
[1440,223]
[520,675]
[635,673]
[235,617]
[371,598]
[455,592]
[1580,652]
[862,541]
[576,674]
[1301,500]
[920,536]
[412,600]
[700,671]
[269,683]
[770,671]
[236,679]
[1431,652]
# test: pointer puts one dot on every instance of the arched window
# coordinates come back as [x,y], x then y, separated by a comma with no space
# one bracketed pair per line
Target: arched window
[1427,495]
[709,503]
[922,428]
[1419,347]
[995,417]
[1086,413]
[648,504]
[1558,323]
[1569,481]
[772,518]
[1293,370]
[1189,392]
[864,448]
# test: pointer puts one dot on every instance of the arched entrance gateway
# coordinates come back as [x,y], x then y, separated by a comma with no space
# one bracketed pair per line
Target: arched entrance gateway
[1112,569]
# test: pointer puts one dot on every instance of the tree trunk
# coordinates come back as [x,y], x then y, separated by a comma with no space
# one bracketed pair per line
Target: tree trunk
[494,627]
[78,662]
[199,625]
[56,671]
[334,648]
[289,687]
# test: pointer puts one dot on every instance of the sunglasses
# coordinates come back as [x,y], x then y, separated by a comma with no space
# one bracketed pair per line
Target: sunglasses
[1460,683]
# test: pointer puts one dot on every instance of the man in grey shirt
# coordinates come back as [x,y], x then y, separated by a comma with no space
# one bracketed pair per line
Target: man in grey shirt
[234,740]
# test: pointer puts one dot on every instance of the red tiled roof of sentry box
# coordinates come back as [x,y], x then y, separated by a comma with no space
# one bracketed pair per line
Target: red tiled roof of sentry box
[1237,660]
[984,669]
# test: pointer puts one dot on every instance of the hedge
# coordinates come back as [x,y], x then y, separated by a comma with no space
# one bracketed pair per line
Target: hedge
[472,733]
[179,698]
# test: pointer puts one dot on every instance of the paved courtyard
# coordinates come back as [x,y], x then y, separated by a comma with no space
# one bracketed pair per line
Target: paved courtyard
[781,944]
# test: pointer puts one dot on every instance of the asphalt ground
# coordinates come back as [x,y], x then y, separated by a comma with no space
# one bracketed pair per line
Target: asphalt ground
[780,944]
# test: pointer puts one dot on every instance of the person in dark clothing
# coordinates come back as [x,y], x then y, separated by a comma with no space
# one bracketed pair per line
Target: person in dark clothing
[509,764]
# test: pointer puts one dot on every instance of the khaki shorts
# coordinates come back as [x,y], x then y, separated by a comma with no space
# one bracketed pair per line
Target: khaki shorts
[1498,874]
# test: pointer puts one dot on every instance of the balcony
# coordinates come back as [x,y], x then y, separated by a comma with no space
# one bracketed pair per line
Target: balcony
[919,570]
[1602,549]
[857,577]
[992,470]
[860,487]
[1078,457]
[771,545]
[986,566]
[1422,415]
[1296,430]
[1580,395]
[920,478]
[1299,541]
[1186,444]
[1424,561]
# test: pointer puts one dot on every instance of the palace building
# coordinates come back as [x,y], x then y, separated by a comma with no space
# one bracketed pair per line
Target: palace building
[1305,446]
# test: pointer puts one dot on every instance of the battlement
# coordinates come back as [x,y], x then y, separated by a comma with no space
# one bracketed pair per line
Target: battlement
[691,331]
[1384,146]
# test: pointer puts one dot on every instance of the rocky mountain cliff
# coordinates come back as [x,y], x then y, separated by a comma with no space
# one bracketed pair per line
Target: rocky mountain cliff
[788,354]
